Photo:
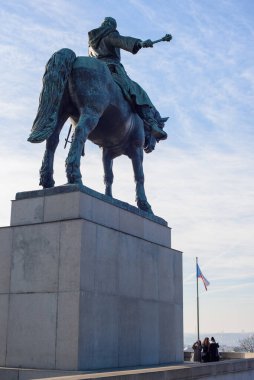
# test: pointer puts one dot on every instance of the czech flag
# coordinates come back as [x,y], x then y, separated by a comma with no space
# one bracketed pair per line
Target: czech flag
[200,275]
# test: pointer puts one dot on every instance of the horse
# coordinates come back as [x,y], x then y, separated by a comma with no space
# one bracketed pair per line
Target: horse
[82,89]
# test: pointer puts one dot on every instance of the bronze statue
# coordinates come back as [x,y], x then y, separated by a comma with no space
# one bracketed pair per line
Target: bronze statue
[83,89]
[105,43]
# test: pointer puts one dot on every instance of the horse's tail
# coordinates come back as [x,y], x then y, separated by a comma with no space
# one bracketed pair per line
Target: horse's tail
[54,80]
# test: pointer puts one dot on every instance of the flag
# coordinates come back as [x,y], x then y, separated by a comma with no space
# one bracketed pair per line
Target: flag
[200,275]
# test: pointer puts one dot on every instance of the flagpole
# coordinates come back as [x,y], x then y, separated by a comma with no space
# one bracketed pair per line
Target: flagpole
[197,297]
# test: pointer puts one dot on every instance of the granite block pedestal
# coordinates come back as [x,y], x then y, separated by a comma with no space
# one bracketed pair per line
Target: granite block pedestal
[87,282]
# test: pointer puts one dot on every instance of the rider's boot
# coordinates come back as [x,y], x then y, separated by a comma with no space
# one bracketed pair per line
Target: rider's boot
[150,123]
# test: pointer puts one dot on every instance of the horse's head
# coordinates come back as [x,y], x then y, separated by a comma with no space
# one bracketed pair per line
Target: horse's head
[150,140]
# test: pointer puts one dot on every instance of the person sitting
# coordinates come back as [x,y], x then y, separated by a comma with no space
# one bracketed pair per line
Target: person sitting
[105,43]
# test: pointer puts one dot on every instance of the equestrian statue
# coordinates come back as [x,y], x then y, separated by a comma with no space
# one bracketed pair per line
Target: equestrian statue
[104,105]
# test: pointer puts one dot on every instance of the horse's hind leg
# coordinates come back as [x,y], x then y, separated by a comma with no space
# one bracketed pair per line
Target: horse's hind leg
[46,171]
[108,172]
[137,163]
[87,122]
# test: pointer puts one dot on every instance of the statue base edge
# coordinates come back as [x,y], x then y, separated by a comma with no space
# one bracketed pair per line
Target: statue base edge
[69,188]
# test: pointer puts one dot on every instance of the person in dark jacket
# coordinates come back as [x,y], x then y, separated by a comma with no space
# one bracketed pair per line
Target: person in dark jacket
[105,43]
[213,351]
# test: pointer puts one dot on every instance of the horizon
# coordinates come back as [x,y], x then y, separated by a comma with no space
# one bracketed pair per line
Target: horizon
[201,178]
[220,332]
[224,339]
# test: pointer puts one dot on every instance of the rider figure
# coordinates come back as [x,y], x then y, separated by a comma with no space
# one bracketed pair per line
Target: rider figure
[105,43]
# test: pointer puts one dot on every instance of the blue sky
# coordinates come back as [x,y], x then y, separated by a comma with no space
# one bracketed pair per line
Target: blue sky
[201,179]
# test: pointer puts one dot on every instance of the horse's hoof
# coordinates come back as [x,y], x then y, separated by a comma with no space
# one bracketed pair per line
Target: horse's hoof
[47,184]
[144,205]
[77,183]
[109,193]
[74,181]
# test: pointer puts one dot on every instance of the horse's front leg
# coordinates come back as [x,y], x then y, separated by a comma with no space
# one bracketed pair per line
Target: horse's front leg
[87,122]
[46,171]
[137,163]
[108,172]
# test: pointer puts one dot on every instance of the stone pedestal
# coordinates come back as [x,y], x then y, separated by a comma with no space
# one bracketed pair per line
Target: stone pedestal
[87,283]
